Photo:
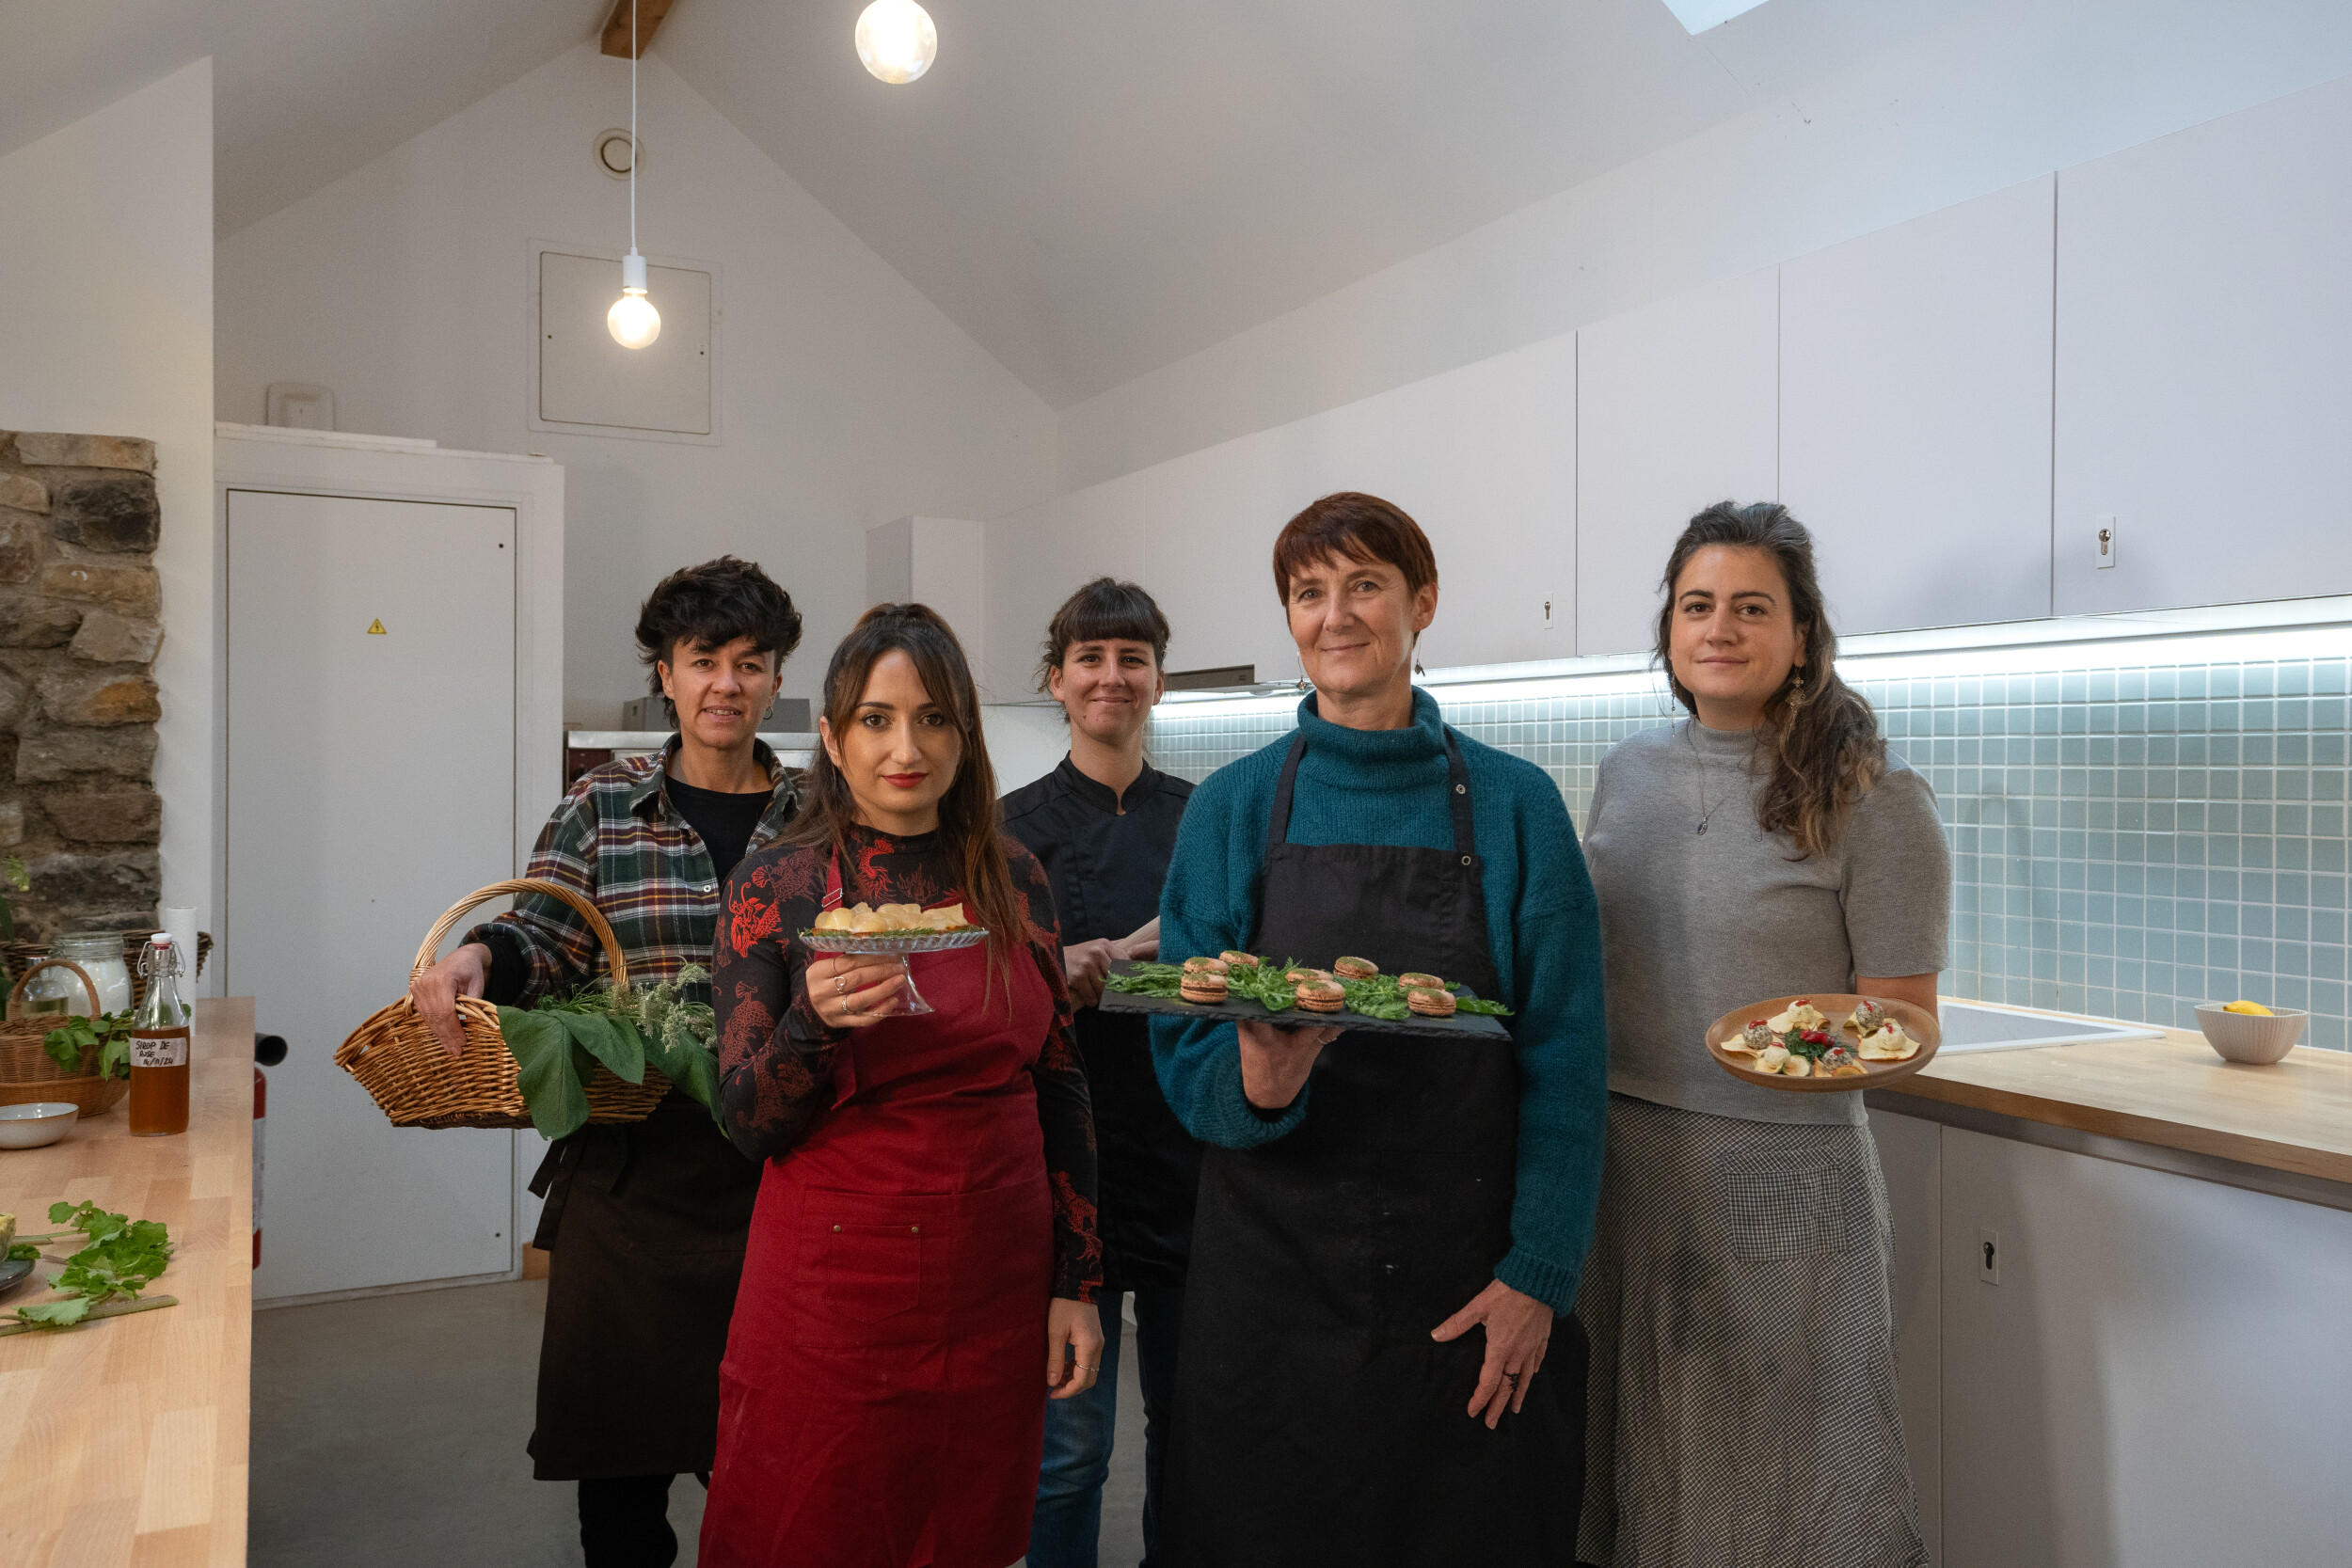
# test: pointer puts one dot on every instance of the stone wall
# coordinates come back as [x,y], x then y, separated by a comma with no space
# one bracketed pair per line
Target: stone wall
[79,600]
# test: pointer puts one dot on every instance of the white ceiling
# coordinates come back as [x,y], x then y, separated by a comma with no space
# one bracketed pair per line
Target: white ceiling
[1091,188]
[303,91]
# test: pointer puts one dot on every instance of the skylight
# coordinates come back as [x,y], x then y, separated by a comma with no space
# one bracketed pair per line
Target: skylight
[1697,16]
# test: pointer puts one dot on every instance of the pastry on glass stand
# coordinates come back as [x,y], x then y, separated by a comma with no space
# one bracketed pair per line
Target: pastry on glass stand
[894,931]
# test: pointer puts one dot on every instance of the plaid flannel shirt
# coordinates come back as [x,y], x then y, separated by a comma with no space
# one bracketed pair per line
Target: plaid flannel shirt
[618,840]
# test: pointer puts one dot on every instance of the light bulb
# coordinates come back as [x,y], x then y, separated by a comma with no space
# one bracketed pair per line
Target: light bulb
[897,40]
[632,320]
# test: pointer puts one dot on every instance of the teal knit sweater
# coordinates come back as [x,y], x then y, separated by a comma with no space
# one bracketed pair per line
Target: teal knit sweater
[1388,786]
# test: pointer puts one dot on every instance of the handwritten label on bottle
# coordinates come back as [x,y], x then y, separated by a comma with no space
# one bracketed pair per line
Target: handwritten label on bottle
[159,1050]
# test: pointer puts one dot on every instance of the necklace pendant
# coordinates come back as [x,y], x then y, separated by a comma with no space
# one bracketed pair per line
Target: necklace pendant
[1702,828]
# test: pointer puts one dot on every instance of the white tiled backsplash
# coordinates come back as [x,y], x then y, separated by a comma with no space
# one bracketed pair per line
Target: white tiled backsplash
[2133,831]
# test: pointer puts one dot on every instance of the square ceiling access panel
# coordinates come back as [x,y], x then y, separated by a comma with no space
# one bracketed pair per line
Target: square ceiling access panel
[590,384]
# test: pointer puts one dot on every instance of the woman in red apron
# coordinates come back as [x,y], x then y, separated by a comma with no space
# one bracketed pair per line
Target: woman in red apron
[923,1253]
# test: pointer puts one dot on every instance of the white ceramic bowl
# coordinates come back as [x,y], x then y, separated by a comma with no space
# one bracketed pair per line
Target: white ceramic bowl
[31,1126]
[2250,1037]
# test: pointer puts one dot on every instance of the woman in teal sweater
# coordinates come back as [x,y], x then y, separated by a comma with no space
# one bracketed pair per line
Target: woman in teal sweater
[1368,1199]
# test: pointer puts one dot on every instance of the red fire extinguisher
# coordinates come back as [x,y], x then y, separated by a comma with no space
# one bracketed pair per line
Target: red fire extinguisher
[267,1050]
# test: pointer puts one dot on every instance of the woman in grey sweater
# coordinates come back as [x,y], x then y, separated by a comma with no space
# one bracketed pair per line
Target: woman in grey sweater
[1742,1405]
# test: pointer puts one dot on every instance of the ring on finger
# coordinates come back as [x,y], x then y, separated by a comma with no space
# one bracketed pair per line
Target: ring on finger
[1511,1378]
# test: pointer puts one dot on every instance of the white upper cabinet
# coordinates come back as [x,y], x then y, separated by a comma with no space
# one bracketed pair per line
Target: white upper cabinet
[1677,408]
[1482,457]
[1914,410]
[2205,362]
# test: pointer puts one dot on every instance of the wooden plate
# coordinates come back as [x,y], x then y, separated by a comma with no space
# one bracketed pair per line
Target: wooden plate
[1917,1023]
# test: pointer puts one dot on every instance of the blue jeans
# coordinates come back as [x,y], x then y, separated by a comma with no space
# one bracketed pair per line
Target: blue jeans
[1079,1431]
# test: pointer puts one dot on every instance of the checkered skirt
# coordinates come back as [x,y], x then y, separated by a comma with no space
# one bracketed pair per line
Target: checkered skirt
[1742,1410]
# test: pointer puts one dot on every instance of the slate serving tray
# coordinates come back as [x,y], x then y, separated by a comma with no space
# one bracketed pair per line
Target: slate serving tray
[1476,1025]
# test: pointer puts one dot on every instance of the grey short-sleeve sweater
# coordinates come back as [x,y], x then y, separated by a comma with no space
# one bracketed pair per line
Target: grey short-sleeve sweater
[1695,924]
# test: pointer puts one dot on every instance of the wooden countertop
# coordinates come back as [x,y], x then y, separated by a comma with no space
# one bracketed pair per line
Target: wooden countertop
[2174,1092]
[123,1440]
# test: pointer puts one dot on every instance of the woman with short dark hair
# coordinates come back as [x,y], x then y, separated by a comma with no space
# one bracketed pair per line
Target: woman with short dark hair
[644,1224]
[1739,1294]
[1379,1363]
[924,1245]
[1103,824]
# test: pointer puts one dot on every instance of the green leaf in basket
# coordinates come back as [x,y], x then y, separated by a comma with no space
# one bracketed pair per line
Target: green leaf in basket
[613,1042]
[687,1063]
[551,1086]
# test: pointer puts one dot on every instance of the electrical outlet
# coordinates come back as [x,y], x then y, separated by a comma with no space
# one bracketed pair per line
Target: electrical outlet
[2106,541]
[1989,1256]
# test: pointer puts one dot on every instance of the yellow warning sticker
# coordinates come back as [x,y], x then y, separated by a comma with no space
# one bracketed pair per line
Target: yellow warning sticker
[375,629]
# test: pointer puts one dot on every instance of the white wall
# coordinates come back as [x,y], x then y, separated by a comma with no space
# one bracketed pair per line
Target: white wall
[846,399]
[2012,90]
[106,328]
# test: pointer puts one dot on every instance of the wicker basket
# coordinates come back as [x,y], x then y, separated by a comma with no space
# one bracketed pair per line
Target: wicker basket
[401,1062]
[26,1073]
[17,956]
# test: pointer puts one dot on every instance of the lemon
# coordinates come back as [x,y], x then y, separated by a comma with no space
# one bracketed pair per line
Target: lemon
[2252,1009]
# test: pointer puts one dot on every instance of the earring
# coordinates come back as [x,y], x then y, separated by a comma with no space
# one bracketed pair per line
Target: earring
[1796,691]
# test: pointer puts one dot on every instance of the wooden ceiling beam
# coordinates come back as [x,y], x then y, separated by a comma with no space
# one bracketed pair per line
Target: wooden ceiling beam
[649,15]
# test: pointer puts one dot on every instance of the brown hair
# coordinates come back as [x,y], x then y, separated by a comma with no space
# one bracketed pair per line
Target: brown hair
[967,812]
[1104,609]
[1352,526]
[1826,749]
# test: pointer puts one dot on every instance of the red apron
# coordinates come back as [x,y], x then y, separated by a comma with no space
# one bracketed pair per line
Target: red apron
[882,1400]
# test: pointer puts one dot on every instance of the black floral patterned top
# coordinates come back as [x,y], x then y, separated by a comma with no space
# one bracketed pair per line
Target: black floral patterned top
[776,1056]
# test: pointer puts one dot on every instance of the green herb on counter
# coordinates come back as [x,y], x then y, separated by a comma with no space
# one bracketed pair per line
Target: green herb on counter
[109,1034]
[558,1045]
[122,1259]
[23,1252]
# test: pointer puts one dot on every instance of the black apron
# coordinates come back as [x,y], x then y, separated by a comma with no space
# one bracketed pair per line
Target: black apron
[1316,1422]
[644,1227]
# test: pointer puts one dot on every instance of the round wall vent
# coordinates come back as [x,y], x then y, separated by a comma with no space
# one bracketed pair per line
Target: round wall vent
[615,150]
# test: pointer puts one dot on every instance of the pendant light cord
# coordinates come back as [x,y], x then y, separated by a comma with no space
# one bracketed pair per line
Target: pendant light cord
[632,127]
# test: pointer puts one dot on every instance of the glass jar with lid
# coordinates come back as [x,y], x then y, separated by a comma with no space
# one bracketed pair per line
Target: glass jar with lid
[59,991]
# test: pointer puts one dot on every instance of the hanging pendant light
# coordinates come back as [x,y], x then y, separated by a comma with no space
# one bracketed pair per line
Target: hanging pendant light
[632,320]
[897,40]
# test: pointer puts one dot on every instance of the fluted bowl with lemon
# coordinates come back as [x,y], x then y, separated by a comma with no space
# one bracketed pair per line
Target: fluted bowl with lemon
[2249,1032]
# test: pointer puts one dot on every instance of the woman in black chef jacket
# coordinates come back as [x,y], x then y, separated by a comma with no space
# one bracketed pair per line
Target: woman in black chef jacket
[644,1224]
[1103,824]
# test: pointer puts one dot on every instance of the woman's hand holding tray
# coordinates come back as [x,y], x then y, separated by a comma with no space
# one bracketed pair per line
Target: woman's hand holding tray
[1237,1007]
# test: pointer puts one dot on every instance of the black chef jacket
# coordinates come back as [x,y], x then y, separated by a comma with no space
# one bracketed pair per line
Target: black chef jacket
[1107,869]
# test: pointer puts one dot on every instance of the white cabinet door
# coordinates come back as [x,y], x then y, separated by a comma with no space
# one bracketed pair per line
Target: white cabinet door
[2158,1379]
[1911,1154]
[1914,410]
[371,783]
[1482,458]
[1677,407]
[2205,362]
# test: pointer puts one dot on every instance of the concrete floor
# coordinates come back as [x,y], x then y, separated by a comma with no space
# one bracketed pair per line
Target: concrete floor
[389,1431]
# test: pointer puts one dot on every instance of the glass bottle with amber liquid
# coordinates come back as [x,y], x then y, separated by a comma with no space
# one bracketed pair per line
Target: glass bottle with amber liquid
[159,1045]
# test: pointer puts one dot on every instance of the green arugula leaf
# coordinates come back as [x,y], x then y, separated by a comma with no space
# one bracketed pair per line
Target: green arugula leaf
[56,1314]
[543,1058]
[613,1042]
[123,1258]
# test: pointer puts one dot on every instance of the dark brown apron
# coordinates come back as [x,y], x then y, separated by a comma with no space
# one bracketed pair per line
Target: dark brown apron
[1315,1421]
